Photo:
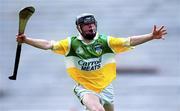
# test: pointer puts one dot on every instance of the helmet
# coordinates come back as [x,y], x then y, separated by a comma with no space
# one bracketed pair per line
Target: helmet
[85,18]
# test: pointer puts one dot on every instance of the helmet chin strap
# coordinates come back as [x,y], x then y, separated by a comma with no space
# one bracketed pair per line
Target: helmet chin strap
[79,29]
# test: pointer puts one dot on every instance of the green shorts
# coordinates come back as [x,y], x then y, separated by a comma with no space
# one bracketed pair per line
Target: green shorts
[106,96]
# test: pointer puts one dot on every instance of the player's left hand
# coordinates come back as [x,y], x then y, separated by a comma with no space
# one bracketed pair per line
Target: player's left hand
[159,33]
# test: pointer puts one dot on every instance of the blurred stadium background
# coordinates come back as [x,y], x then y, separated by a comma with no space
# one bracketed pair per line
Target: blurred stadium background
[148,77]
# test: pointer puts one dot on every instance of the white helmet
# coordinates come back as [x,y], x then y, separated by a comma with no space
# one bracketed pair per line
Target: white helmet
[85,18]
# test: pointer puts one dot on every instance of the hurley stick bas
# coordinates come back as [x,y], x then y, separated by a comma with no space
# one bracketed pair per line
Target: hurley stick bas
[24,16]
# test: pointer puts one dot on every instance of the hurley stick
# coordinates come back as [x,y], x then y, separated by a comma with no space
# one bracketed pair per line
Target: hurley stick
[24,16]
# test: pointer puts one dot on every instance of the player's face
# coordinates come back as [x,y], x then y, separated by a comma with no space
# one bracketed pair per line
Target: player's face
[89,31]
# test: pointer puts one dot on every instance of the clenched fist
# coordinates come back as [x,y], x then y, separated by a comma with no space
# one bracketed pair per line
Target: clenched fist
[20,38]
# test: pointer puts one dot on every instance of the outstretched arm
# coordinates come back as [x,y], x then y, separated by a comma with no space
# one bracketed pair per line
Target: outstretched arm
[155,34]
[39,43]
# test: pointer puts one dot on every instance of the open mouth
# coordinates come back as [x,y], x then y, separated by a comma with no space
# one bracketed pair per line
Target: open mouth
[91,31]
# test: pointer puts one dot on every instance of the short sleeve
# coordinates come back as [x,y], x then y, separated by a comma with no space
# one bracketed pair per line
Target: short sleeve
[119,45]
[61,47]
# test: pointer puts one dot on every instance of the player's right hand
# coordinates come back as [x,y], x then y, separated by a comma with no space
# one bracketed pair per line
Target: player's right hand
[20,38]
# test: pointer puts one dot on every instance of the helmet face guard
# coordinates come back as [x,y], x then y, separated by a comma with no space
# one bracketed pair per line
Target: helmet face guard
[85,19]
